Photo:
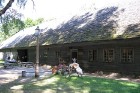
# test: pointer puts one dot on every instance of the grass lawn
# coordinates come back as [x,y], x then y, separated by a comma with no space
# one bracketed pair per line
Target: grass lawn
[1,63]
[60,84]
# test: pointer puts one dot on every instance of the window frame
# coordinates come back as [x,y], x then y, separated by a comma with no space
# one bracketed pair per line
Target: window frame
[94,58]
[58,54]
[113,56]
[121,55]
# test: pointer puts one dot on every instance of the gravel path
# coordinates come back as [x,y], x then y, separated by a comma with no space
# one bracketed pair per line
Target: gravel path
[11,74]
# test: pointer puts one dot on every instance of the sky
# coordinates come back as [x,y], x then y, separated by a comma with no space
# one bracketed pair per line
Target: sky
[49,9]
[53,8]
[60,8]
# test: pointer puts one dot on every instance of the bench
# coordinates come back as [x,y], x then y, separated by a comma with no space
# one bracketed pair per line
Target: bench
[27,64]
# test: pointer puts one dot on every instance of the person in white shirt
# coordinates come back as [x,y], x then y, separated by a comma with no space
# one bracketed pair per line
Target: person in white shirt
[76,66]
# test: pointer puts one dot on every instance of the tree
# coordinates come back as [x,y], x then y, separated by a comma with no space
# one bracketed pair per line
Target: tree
[29,22]
[14,25]
[11,23]
[10,19]
[9,4]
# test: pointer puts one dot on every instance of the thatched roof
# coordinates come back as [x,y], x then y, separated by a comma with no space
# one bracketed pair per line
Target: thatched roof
[112,21]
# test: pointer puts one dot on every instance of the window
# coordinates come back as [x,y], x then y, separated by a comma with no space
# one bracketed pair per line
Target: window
[58,54]
[127,55]
[92,55]
[108,55]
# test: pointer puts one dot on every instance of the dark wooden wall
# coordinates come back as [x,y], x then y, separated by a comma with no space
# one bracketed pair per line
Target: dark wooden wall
[48,56]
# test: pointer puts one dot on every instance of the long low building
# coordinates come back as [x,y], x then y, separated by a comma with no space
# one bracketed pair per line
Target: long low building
[101,39]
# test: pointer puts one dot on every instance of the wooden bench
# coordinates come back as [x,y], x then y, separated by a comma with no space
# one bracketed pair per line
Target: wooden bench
[27,64]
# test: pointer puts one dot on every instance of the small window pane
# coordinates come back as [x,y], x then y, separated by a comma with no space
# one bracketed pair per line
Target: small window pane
[92,55]
[127,55]
[108,55]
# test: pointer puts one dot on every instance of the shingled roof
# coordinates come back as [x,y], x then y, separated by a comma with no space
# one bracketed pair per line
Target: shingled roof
[111,21]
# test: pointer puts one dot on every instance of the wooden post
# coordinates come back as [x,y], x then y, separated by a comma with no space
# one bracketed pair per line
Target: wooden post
[37,55]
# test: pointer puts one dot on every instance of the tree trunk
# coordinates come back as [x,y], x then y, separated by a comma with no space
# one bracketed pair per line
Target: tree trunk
[9,4]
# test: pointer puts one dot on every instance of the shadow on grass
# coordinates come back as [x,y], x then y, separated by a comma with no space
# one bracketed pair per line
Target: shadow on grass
[73,84]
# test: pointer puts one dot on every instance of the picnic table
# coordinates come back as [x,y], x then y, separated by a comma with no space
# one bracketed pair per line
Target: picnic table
[27,64]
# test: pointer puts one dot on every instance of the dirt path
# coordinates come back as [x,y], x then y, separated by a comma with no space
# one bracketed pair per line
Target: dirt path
[9,75]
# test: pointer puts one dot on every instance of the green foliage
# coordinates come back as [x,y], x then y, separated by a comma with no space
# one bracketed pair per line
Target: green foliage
[29,22]
[40,20]
[11,25]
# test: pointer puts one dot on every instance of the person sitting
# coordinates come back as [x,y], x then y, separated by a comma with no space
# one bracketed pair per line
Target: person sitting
[54,69]
[9,62]
[6,63]
[58,69]
[7,59]
[62,68]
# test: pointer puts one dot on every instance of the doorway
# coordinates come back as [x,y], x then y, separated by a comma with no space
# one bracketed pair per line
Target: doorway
[22,55]
[74,53]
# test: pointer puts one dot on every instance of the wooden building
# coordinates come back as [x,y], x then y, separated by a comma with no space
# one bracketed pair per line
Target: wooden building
[97,39]
[118,55]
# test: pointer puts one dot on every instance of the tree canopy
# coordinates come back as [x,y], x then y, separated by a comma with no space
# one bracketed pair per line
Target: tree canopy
[21,3]
[11,27]
[11,21]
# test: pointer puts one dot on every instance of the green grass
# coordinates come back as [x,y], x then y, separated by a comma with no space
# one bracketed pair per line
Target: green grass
[59,84]
[1,63]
